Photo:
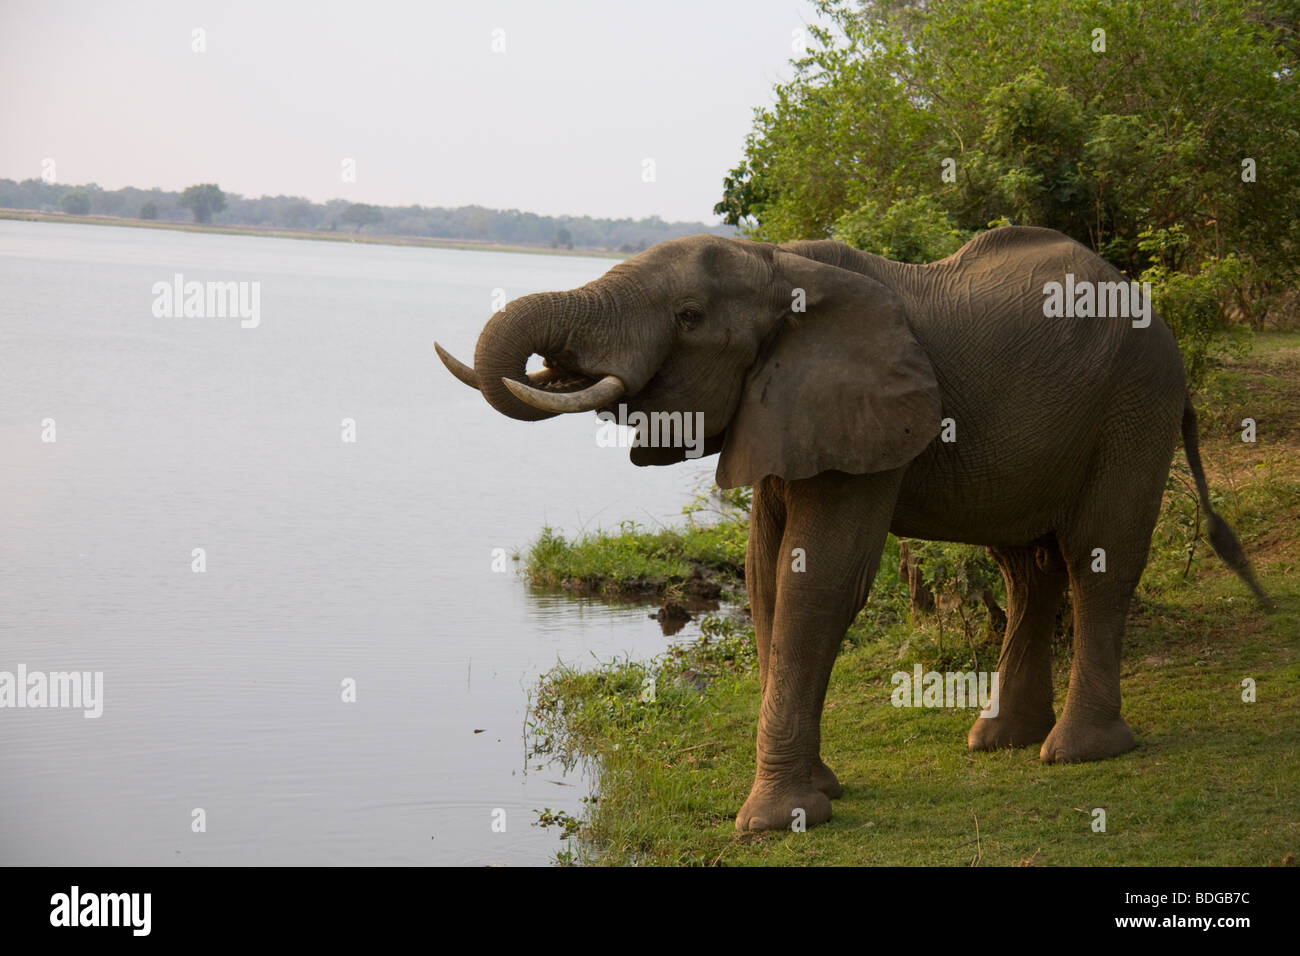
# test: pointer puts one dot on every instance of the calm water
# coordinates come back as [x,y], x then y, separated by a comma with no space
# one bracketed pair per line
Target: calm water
[325,560]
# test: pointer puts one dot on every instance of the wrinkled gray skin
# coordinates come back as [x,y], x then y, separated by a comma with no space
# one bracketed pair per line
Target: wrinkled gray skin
[1065,428]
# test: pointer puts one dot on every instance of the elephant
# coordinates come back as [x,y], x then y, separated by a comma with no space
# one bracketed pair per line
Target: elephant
[860,396]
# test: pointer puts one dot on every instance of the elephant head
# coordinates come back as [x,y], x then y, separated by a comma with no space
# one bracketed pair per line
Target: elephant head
[796,366]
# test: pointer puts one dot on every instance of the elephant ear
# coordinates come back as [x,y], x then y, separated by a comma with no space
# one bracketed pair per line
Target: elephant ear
[841,386]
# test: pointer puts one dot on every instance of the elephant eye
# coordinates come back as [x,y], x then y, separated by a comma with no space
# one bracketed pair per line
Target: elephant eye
[689,316]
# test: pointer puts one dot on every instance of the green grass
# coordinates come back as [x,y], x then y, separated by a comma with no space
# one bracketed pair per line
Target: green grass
[636,560]
[1214,779]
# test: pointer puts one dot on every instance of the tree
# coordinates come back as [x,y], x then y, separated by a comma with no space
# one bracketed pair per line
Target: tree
[75,202]
[359,214]
[1105,119]
[562,238]
[149,210]
[203,200]
[296,213]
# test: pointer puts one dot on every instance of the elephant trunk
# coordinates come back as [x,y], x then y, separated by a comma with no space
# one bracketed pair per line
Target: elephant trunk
[592,356]
[540,324]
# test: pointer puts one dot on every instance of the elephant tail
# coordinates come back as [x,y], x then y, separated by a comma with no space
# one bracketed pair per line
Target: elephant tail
[1221,535]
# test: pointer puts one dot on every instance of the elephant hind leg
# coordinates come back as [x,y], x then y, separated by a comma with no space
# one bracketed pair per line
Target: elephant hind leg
[1090,726]
[1036,577]
[1105,543]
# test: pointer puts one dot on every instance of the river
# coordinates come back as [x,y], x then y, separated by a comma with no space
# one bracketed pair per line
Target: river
[326,564]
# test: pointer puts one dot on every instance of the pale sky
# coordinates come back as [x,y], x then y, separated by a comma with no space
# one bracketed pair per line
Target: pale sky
[560,122]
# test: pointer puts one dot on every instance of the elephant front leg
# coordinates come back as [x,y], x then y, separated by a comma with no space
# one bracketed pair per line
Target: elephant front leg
[829,551]
[766,528]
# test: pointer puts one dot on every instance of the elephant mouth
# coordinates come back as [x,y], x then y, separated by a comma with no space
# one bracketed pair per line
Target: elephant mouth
[558,388]
[557,378]
[560,375]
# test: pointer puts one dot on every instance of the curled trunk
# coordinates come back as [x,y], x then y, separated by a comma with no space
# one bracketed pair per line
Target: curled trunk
[542,324]
[585,335]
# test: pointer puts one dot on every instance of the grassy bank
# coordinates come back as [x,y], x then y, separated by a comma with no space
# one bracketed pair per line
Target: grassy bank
[705,558]
[28,215]
[1213,781]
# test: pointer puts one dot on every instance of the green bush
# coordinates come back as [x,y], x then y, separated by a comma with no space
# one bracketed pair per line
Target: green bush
[1191,301]
[75,202]
[910,230]
[1175,115]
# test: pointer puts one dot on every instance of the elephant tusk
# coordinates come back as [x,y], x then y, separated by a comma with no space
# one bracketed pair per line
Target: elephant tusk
[603,392]
[457,367]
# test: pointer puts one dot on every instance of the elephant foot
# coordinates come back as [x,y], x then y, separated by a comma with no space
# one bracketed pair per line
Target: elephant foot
[824,779]
[1074,740]
[1009,730]
[772,809]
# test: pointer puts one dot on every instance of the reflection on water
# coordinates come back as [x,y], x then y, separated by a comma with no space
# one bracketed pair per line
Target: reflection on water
[673,613]
[325,561]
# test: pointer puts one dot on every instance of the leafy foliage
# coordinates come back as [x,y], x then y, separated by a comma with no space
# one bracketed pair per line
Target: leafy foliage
[360,214]
[203,200]
[75,202]
[956,113]
[1190,303]
[916,229]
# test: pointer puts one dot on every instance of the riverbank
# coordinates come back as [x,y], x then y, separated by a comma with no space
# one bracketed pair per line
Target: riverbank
[28,215]
[1213,780]
[699,561]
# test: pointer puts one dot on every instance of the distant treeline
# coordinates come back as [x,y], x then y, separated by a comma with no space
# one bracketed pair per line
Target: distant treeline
[474,223]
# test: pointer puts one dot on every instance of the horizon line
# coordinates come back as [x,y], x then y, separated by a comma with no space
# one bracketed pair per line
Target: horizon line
[411,205]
